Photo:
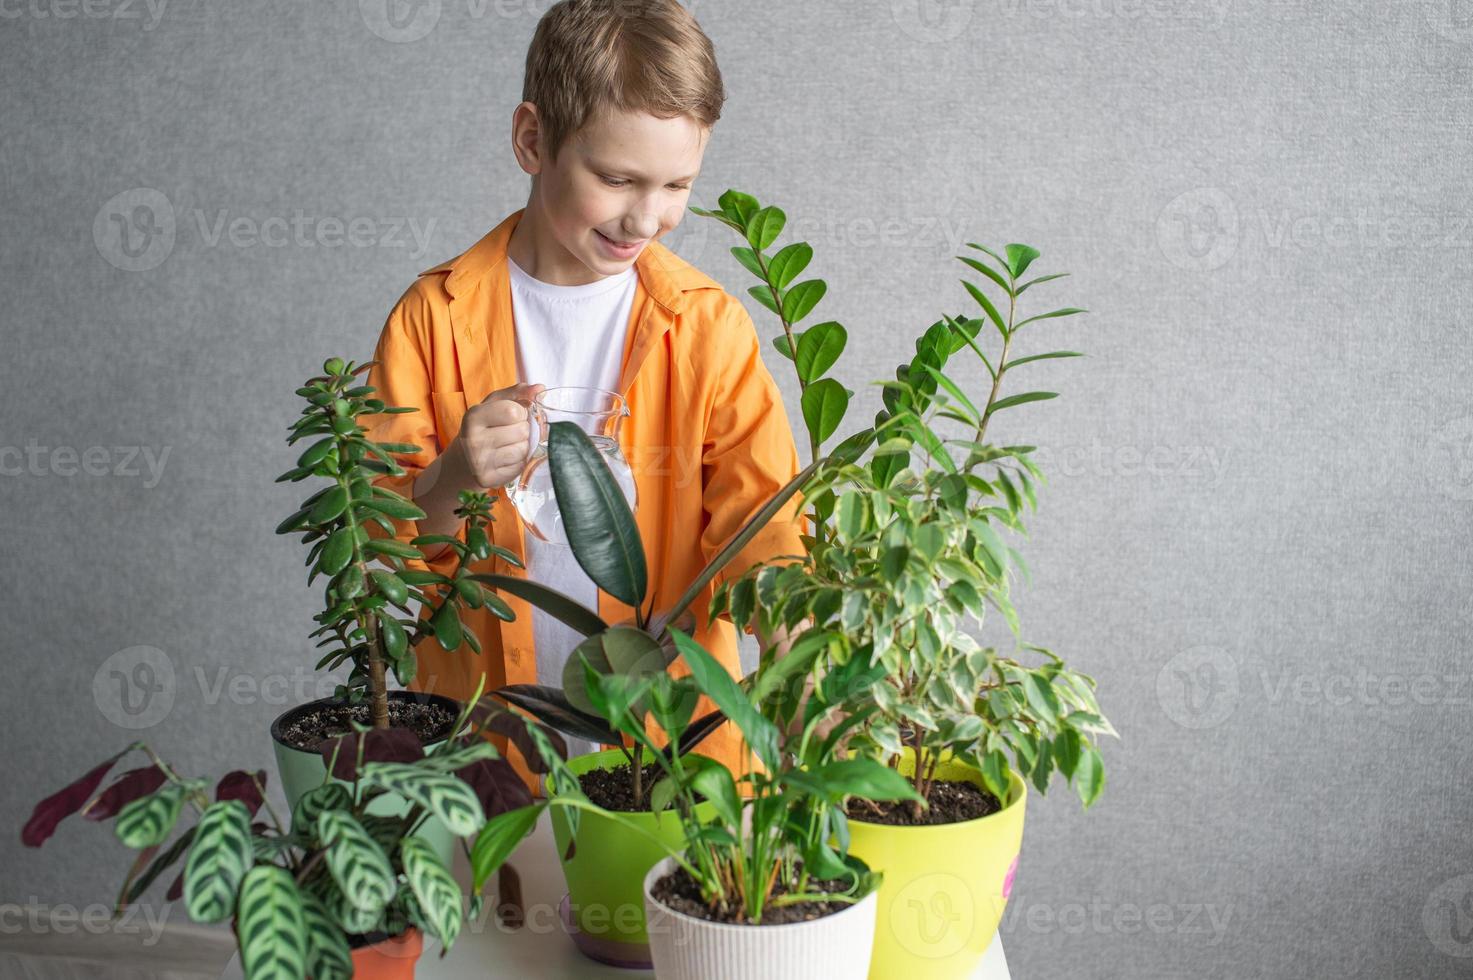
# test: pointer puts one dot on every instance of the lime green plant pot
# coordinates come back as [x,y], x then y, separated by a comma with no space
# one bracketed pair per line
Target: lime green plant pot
[301,770]
[606,873]
[945,886]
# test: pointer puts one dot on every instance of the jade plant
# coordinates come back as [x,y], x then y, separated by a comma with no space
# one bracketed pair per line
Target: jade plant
[295,890]
[368,619]
[910,548]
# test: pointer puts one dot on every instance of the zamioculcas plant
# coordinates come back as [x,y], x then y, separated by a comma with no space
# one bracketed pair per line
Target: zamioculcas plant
[295,891]
[368,619]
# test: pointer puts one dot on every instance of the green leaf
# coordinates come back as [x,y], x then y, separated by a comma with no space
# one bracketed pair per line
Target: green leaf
[329,506]
[764,226]
[824,404]
[563,608]
[713,680]
[316,453]
[599,523]
[799,301]
[446,623]
[315,802]
[399,509]
[146,821]
[393,547]
[986,304]
[748,258]
[1089,775]
[270,926]
[788,263]
[1020,257]
[1069,311]
[434,888]
[763,295]
[989,272]
[1011,400]
[784,347]
[955,392]
[818,349]
[328,956]
[1041,279]
[337,552]
[1042,357]
[447,797]
[218,861]
[391,585]
[498,839]
[714,782]
[738,205]
[358,864]
[995,775]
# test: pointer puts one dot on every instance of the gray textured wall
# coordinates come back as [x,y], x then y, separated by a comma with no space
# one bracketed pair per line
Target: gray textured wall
[1255,535]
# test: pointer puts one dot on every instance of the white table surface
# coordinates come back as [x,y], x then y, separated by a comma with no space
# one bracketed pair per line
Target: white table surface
[540,950]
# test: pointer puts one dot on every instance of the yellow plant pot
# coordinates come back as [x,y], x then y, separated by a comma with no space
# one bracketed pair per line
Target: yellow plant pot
[945,886]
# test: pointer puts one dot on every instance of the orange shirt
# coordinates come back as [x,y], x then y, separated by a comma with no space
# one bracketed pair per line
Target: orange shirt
[707,439]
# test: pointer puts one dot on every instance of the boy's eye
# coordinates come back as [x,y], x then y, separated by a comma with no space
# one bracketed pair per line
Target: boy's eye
[612,182]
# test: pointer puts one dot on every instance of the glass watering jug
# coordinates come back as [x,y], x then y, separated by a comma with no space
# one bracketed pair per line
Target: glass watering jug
[598,413]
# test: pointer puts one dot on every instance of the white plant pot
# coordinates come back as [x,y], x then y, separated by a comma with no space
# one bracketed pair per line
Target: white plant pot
[835,947]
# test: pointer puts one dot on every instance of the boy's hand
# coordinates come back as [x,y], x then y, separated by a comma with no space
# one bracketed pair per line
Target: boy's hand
[493,436]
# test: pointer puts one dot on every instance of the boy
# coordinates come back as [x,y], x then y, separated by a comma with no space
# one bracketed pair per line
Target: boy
[618,104]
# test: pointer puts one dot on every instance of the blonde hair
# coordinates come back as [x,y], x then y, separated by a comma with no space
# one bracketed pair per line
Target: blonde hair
[591,56]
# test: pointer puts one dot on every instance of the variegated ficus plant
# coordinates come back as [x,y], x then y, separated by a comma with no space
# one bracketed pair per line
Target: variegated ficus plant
[296,889]
[370,616]
[910,546]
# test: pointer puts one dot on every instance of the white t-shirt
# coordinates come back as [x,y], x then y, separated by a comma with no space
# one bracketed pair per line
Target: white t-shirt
[567,335]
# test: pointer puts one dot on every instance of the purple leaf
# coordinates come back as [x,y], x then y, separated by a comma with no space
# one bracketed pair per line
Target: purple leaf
[495,717]
[63,803]
[381,745]
[238,785]
[131,785]
[497,785]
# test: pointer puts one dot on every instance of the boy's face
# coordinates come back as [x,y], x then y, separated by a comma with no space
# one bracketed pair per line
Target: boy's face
[618,184]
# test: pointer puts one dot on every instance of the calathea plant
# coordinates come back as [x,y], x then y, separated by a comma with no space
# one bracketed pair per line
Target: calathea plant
[368,619]
[910,550]
[295,890]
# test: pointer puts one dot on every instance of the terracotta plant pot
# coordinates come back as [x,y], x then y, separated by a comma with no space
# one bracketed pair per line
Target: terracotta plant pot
[835,947]
[389,959]
[945,886]
[301,770]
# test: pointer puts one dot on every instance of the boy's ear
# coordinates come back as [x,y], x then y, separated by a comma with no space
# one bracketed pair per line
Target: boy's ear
[526,137]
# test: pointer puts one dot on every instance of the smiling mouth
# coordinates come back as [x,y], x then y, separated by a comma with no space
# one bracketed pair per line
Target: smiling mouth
[616,243]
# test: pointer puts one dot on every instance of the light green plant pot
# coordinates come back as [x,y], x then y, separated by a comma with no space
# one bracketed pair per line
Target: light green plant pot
[606,873]
[945,886]
[301,770]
